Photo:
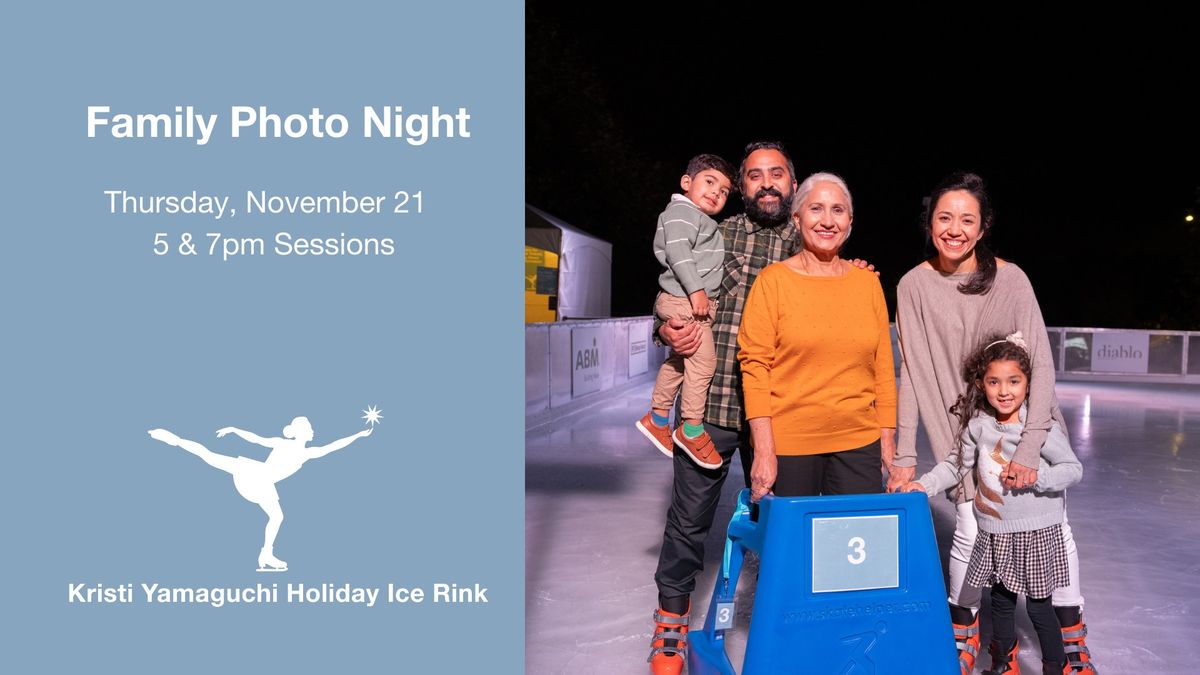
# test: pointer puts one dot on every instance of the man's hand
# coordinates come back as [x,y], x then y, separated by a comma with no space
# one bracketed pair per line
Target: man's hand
[683,337]
[699,301]
[864,265]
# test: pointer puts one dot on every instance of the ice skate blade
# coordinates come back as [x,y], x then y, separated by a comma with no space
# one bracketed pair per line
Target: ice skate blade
[271,569]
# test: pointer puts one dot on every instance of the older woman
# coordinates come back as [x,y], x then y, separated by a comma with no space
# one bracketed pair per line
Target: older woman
[816,359]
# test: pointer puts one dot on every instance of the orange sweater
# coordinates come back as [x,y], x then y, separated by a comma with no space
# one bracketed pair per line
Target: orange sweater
[816,356]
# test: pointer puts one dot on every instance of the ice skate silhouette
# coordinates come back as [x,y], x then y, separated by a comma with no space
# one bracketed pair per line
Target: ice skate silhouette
[256,480]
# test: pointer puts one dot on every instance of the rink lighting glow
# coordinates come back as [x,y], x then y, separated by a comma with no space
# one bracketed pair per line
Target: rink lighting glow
[1086,424]
[1179,438]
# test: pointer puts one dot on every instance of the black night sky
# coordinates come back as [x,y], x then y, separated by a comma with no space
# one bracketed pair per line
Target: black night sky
[1090,150]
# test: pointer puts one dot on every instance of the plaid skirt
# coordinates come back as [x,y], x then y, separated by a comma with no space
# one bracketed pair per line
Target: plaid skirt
[1032,563]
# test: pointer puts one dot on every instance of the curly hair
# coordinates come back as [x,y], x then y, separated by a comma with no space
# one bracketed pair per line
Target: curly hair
[974,367]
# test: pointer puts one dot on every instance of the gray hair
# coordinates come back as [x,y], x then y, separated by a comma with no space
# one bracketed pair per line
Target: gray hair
[811,182]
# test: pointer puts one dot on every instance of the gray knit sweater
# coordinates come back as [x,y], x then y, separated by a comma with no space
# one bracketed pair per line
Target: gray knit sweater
[938,327]
[689,244]
[988,446]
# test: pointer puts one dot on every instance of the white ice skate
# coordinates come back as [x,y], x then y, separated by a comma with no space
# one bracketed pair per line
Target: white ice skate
[267,562]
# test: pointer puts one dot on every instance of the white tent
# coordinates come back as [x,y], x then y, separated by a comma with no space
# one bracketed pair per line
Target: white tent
[584,265]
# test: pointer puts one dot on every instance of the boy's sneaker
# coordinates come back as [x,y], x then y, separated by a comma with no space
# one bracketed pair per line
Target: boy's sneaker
[700,449]
[659,436]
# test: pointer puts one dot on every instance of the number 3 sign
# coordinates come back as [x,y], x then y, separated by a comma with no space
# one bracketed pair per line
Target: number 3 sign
[855,553]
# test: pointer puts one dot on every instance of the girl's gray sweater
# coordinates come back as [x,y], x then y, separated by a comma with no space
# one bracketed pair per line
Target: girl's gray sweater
[988,446]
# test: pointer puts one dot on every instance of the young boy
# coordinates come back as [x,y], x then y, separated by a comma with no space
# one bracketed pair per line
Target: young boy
[688,243]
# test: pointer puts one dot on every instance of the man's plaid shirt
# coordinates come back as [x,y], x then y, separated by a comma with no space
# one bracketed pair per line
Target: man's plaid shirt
[748,249]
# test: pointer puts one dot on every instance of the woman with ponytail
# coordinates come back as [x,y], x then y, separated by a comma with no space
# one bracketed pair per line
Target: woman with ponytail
[944,308]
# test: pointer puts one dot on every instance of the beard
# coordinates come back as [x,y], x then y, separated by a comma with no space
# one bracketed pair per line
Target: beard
[768,217]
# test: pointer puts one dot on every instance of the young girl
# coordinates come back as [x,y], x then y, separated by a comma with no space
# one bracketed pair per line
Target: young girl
[1020,547]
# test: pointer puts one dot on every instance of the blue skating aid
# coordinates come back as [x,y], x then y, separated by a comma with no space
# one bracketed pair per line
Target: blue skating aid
[847,585]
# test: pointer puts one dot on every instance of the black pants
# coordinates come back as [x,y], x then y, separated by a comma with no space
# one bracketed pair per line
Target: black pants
[849,472]
[1041,614]
[694,497]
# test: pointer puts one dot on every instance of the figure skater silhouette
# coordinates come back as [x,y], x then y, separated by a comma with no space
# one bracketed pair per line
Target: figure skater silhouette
[256,480]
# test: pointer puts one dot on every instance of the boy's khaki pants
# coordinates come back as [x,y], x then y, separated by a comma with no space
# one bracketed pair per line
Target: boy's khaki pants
[695,372]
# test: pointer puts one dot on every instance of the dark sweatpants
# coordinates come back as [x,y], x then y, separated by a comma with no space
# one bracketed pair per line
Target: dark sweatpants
[695,494]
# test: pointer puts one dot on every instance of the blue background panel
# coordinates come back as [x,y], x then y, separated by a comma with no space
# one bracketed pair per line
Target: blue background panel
[104,340]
